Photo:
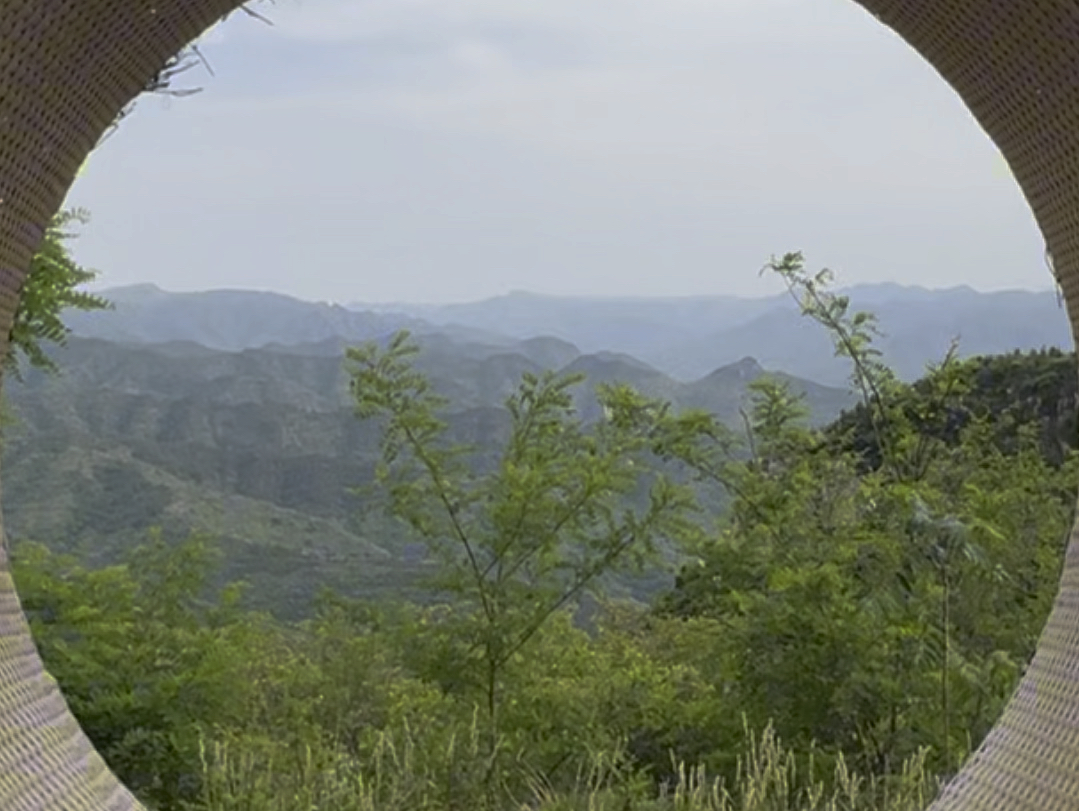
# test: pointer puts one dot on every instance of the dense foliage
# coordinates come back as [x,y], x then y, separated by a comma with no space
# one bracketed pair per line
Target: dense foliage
[868,598]
[51,286]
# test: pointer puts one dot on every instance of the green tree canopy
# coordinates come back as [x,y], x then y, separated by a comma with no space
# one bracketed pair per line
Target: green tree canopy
[51,287]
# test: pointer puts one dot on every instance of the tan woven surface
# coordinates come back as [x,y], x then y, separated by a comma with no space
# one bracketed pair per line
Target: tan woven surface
[67,68]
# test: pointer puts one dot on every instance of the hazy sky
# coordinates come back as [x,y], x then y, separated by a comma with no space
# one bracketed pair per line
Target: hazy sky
[447,150]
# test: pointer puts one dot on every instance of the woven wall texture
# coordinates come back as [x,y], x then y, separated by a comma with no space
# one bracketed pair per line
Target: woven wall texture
[67,69]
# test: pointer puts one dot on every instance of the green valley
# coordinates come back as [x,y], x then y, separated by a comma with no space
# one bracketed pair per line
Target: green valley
[260,449]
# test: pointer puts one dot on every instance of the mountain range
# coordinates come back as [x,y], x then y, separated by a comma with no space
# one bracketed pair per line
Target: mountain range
[684,338]
[229,412]
[688,337]
[261,448]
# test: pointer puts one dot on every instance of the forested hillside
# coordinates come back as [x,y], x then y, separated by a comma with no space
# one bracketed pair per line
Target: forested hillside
[840,634]
[261,449]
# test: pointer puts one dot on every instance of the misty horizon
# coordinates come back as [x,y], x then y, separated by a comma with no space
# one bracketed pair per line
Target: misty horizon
[438,153]
[105,289]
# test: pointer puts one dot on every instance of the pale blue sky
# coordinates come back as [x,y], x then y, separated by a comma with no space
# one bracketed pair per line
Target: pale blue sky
[448,150]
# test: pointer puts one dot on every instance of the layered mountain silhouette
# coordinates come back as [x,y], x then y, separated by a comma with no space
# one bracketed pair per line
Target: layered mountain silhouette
[684,338]
[229,412]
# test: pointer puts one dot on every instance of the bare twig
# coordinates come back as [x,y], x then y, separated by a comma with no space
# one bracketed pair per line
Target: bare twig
[256,15]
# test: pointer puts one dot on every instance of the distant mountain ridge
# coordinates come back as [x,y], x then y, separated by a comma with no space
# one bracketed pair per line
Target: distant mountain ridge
[684,338]
[233,320]
[688,337]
